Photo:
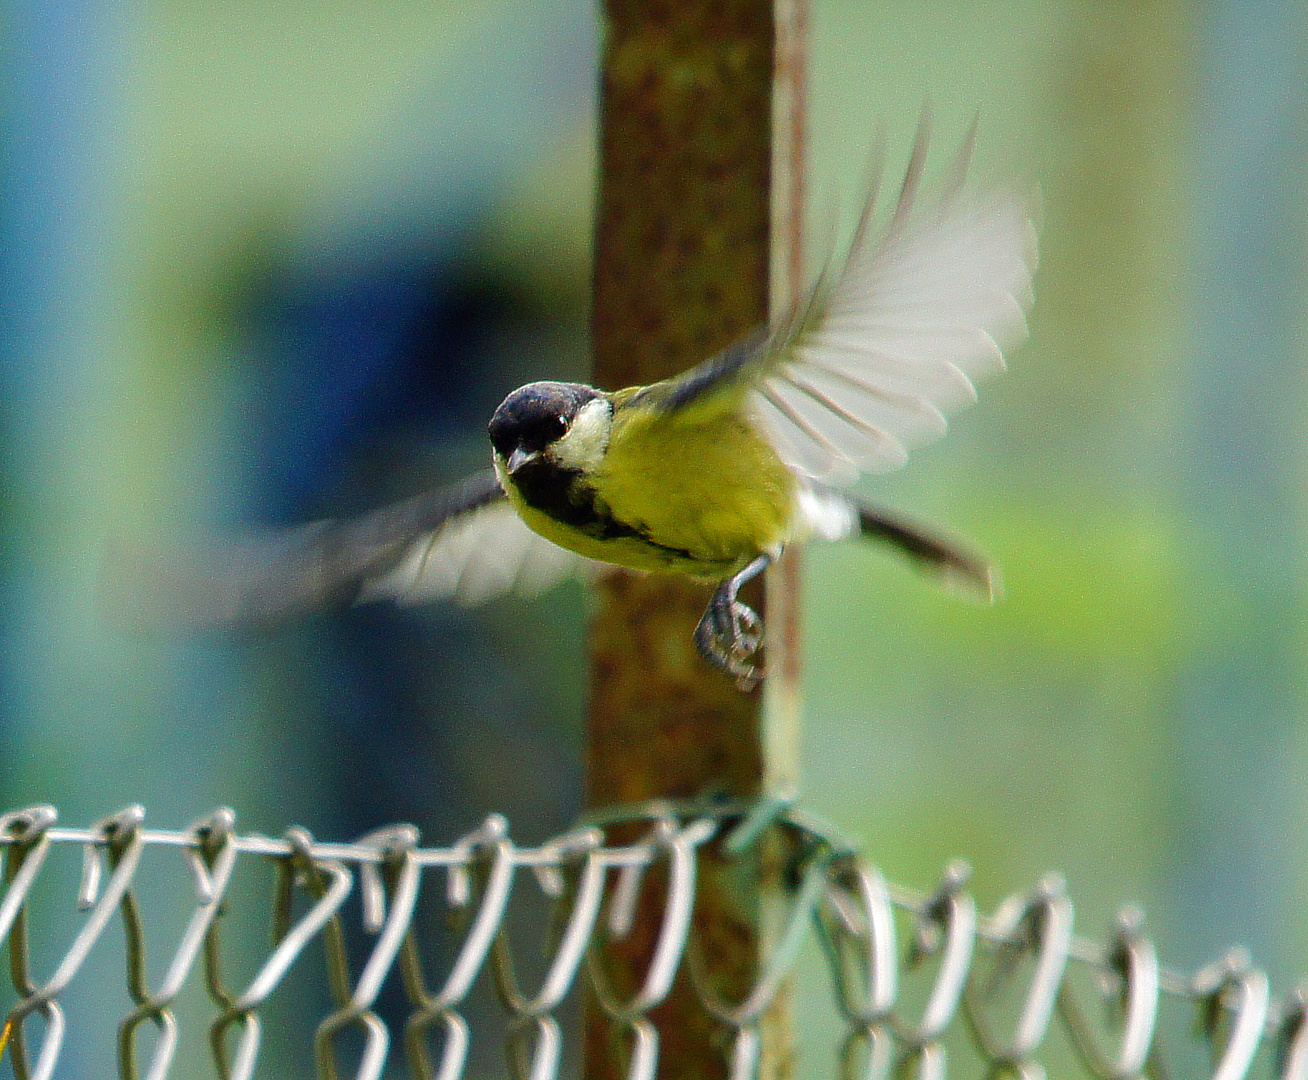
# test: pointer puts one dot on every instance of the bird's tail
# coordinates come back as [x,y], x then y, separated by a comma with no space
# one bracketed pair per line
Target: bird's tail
[957,565]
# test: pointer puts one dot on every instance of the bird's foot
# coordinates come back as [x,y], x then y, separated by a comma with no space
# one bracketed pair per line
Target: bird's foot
[730,632]
[728,637]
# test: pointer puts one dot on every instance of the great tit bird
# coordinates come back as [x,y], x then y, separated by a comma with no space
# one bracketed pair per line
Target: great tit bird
[712,473]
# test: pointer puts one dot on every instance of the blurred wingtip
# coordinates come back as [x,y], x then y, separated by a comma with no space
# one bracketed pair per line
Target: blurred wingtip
[162,584]
[146,585]
[131,593]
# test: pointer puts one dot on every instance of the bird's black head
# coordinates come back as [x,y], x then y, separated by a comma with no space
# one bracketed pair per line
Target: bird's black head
[537,415]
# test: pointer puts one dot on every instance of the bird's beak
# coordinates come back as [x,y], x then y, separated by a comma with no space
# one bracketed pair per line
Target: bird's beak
[521,457]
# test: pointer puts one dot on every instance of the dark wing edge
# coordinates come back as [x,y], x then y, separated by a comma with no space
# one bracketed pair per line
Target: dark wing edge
[734,364]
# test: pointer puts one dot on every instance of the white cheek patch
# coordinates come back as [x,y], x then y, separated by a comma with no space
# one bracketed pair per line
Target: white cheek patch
[586,441]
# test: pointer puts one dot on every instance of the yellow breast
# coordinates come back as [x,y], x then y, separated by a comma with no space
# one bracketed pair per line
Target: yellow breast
[715,489]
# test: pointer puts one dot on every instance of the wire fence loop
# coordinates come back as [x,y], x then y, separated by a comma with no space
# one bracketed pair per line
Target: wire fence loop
[1291,1054]
[212,860]
[1232,994]
[857,929]
[947,923]
[395,845]
[331,883]
[1129,985]
[1038,926]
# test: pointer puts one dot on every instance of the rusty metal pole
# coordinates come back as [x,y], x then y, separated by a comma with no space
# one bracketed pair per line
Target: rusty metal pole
[685,223]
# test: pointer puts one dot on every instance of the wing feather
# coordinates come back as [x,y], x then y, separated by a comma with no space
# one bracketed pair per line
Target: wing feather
[477,557]
[879,353]
[463,542]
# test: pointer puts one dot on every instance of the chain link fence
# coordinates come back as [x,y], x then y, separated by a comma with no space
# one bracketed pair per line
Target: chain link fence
[997,982]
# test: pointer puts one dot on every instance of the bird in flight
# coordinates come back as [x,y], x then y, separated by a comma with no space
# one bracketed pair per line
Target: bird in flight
[709,474]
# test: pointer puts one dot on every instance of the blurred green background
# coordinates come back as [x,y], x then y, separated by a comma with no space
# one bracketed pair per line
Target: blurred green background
[263,262]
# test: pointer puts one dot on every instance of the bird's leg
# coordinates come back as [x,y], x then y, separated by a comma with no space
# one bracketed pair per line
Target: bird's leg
[730,633]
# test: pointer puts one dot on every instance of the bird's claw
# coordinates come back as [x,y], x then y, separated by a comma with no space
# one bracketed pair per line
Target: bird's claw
[729,636]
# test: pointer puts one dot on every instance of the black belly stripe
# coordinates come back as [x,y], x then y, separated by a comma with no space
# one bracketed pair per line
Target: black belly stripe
[565,496]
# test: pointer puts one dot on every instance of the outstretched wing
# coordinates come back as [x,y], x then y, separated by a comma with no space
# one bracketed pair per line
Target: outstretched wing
[463,542]
[476,557]
[873,359]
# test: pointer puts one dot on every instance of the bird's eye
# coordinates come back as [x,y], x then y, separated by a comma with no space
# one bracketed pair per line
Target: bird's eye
[560,426]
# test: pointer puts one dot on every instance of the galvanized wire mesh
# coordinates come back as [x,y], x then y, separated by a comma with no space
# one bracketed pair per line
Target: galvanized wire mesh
[594,885]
